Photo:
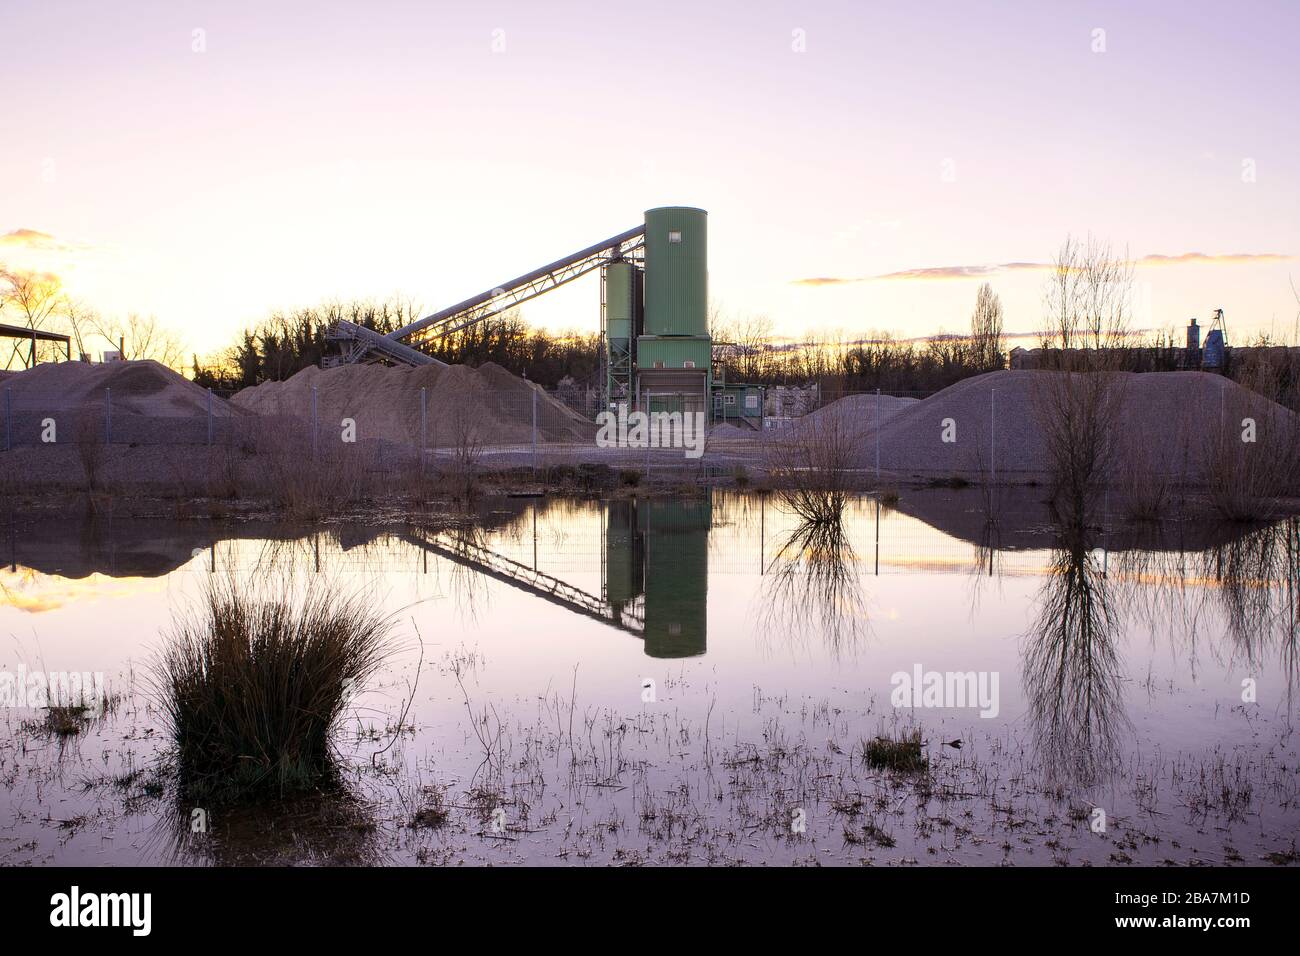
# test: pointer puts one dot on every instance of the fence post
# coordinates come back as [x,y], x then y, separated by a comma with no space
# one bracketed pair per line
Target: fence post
[993,447]
[646,409]
[534,431]
[9,419]
[314,430]
[424,422]
[877,436]
[108,416]
[209,416]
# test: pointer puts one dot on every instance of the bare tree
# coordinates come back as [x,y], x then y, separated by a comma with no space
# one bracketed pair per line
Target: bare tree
[1106,291]
[986,328]
[141,338]
[1061,298]
[36,300]
[81,319]
[1088,300]
[1078,397]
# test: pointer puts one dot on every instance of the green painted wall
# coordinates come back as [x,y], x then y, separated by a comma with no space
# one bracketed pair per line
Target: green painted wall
[738,407]
[676,272]
[673,352]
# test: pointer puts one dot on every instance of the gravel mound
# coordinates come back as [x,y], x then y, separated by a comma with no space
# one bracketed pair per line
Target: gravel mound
[485,405]
[1162,419]
[859,411]
[143,388]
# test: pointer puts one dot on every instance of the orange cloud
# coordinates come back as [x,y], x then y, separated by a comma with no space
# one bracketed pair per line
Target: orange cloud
[937,273]
[1235,258]
[32,240]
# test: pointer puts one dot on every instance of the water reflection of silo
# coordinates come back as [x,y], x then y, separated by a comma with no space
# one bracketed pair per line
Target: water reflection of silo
[676,536]
[624,554]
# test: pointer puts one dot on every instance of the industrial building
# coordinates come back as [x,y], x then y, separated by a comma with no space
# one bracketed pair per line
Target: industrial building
[656,350]
[1215,355]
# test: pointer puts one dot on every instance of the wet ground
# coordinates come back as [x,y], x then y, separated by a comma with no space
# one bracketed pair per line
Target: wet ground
[701,680]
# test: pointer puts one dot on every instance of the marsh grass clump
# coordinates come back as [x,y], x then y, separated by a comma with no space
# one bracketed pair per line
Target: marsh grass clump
[309,480]
[90,449]
[61,721]
[1252,457]
[71,719]
[253,683]
[903,754]
[434,814]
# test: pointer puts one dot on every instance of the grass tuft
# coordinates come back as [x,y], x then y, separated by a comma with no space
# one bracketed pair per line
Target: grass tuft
[254,682]
[903,754]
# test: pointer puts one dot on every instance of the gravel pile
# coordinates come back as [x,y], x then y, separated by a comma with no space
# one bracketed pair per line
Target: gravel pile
[858,411]
[1162,419]
[142,388]
[486,404]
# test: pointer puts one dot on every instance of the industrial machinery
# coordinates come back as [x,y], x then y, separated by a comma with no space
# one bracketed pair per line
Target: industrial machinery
[1216,343]
[656,351]
[1213,357]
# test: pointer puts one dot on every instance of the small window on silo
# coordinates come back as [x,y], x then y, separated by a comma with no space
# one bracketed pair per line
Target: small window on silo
[674,236]
[688,363]
[659,364]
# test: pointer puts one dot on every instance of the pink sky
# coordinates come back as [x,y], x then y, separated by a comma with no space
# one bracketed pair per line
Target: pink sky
[322,149]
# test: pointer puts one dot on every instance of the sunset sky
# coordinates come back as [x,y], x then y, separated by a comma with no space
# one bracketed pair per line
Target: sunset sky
[209,162]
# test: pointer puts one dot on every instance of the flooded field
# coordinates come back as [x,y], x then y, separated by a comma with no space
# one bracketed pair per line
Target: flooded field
[705,680]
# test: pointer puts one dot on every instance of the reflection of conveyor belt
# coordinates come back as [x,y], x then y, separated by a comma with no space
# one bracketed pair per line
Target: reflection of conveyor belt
[536,583]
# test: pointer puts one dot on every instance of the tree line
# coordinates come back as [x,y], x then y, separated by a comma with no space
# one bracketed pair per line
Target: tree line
[285,343]
[744,351]
[37,301]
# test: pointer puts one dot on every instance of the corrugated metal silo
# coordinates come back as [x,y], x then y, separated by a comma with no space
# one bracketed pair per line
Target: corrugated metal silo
[618,301]
[676,271]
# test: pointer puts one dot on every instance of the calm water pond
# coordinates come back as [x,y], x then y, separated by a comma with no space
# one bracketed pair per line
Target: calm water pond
[696,681]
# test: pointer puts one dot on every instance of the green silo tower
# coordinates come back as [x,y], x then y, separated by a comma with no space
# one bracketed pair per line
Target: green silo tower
[674,352]
[620,293]
[677,271]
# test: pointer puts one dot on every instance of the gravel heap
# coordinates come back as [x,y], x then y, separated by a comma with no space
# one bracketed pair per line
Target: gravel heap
[487,404]
[858,411]
[143,388]
[1162,420]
